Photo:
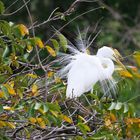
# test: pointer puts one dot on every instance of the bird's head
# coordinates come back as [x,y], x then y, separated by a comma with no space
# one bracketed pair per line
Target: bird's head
[110,53]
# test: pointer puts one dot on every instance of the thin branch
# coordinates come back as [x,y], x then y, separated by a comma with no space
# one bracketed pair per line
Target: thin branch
[68,12]
[11,5]
[72,21]
[18,129]
[17,9]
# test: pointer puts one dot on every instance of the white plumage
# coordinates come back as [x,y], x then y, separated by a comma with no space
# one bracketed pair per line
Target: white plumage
[83,71]
[86,70]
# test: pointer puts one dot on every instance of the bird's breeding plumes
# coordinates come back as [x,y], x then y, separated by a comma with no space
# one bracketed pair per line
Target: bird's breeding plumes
[83,71]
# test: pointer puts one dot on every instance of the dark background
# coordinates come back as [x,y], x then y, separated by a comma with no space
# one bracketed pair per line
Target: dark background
[118,20]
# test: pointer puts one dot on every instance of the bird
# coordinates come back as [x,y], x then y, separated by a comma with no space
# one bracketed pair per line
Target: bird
[83,70]
[86,70]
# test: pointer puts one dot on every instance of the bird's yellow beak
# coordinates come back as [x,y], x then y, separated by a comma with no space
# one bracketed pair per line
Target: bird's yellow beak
[118,57]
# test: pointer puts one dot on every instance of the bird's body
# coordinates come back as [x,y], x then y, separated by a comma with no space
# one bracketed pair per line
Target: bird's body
[85,71]
[77,76]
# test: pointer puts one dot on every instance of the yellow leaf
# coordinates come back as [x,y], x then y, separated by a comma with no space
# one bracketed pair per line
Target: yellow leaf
[8,108]
[1,94]
[39,43]
[57,80]
[23,29]
[137,58]
[132,120]
[32,120]
[19,92]
[13,57]
[50,74]
[41,122]
[11,125]
[4,116]
[12,83]
[67,119]
[107,122]
[34,88]
[125,73]
[43,125]
[137,75]
[112,117]
[29,48]
[54,113]
[129,134]
[2,124]
[51,51]
[41,111]
[81,118]
[32,75]
[10,89]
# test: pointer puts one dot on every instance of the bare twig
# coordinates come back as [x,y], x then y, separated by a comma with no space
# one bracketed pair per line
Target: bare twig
[11,5]
[68,12]
[17,9]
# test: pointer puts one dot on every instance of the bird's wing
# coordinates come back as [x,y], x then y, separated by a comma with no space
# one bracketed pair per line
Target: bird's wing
[108,84]
[81,78]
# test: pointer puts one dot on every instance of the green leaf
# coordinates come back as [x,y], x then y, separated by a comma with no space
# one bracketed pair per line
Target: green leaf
[37,106]
[16,32]
[118,106]
[45,108]
[2,43]
[101,135]
[93,96]
[8,69]
[83,127]
[78,138]
[5,27]
[53,107]
[31,111]
[6,52]
[26,55]
[2,8]
[98,137]
[113,105]
[125,108]
[136,56]
[55,44]
[63,41]
[1,108]
[63,17]
[5,90]
[20,93]
[51,118]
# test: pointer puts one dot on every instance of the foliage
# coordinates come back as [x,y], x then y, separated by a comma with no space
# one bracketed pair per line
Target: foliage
[32,97]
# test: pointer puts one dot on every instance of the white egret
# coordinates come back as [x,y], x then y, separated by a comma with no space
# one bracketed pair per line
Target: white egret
[83,71]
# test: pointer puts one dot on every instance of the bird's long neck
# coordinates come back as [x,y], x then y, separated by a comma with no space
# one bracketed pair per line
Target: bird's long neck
[108,67]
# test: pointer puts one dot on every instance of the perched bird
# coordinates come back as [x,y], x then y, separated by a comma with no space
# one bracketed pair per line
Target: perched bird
[83,71]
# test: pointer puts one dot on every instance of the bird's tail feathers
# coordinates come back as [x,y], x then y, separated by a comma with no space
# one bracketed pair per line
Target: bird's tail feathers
[109,87]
